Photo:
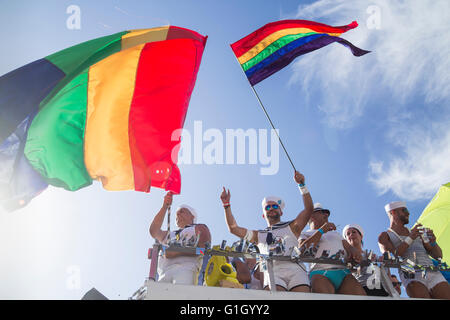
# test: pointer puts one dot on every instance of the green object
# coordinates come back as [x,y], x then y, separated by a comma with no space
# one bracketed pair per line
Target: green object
[436,216]
[55,139]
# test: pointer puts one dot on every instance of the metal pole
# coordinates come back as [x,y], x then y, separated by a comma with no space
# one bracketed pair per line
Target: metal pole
[271,123]
[168,221]
[272,285]
[154,263]
[267,116]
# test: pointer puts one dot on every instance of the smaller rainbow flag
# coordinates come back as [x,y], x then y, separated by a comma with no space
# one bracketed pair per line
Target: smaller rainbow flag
[273,46]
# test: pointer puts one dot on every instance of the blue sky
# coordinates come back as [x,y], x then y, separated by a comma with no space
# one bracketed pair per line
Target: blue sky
[364,131]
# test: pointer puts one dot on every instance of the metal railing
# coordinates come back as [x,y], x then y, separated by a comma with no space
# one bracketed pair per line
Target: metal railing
[241,249]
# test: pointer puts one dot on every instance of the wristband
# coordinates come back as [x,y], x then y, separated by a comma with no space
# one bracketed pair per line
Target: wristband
[303,189]
[408,240]
[433,244]
[321,231]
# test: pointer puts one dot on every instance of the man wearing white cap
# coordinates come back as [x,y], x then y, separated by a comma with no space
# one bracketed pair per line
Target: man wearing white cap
[329,278]
[288,276]
[178,267]
[411,244]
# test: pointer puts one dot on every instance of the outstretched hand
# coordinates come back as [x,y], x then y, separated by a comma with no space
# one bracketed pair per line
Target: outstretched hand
[225,196]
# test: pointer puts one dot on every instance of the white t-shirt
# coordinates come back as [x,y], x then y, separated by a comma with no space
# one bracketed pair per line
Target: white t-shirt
[331,241]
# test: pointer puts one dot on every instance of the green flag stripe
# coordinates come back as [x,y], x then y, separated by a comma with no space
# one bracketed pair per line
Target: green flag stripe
[83,56]
[68,60]
[54,145]
[273,47]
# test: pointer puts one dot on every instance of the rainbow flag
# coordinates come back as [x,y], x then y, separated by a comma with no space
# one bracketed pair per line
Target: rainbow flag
[273,46]
[102,110]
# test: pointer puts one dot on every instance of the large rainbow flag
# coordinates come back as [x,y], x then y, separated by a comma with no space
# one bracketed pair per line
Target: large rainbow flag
[273,46]
[102,110]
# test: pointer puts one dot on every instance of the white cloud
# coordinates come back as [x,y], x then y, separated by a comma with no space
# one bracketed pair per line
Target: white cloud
[407,72]
[409,55]
[423,166]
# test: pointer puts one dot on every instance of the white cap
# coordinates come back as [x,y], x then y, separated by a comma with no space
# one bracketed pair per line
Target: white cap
[272,199]
[355,226]
[394,205]
[191,210]
[318,207]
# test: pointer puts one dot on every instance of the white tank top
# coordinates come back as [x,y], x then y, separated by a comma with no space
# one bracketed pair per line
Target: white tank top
[280,232]
[331,241]
[417,247]
[193,262]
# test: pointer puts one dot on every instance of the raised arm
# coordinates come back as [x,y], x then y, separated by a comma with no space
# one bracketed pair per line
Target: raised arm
[240,232]
[158,220]
[303,217]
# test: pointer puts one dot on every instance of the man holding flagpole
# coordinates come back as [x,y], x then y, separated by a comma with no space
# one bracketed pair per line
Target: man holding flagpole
[288,275]
[179,267]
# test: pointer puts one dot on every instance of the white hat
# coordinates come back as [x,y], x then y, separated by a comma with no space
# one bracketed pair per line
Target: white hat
[191,210]
[273,199]
[394,205]
[318,207]
[354,226]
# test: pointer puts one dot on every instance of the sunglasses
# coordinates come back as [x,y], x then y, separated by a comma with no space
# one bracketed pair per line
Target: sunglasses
[269,206]
[405,210]
[396,284]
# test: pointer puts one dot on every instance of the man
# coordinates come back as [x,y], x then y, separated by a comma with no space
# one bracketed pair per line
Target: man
[329,278]
[178,267]
[410,244]
[247,273]
[288,275]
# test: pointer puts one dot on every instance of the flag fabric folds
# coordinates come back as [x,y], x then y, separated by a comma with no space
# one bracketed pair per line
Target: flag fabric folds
[436,216]
[275,45]
[102,110]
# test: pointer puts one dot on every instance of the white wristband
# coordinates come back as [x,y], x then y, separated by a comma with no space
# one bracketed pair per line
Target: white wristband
[303,189]
[408,240]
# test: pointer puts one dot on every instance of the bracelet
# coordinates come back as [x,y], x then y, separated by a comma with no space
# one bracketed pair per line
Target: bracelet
[226,205]
[321,231]
[303,189]
[433,244]
[408,240]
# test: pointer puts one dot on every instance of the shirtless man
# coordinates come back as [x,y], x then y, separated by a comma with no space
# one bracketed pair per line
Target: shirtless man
[403,242]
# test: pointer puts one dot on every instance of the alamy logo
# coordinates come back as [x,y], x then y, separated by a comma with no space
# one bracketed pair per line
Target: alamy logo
[235,146]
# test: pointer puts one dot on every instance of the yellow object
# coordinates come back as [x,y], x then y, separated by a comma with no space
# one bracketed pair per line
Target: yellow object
[219,273]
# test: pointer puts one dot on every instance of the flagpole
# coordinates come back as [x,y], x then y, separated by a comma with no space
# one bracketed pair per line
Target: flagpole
[267,116]
[271,123]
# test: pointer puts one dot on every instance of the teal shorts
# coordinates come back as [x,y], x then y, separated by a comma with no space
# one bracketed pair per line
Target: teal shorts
[335,276]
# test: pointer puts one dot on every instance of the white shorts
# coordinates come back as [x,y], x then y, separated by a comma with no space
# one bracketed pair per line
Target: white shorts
[430,281]
[288,276]
[177,274]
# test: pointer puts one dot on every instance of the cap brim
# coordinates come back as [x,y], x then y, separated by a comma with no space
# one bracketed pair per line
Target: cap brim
[320,209]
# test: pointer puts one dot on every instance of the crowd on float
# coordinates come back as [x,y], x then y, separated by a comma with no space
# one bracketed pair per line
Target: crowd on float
[310,228]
